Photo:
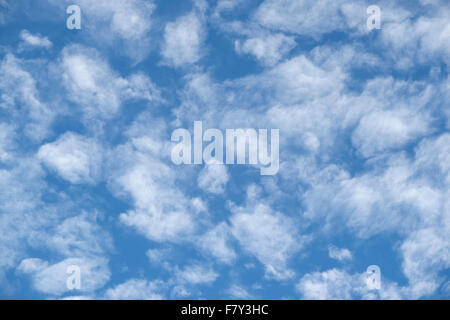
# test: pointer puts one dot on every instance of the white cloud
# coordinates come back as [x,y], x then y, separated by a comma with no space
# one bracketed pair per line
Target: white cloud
[342,145]
[405,196]
[3,16]
[344,57]
[226,5]
[270,236]
[196,274]
[159,256]
[32,265]
[308,98]
[425,254]
[183,41]
[180,291]
[213,178]
[156,216]
[76,298]
[136,289]
[79,236]
[306,17]
[339,254]
[311,99]
[7,135]
[52,279]
[80,240]
[217,243]
[96,88]
[267,49]
[198,205]
[199,91]
[317,18]
[238,292]
[400,183]
[335,284]
[433,159]
[20,96]
[140,170]
[29,223]
[34,40]
[20,204]
[418,39]
[372,202]
[384,130]
[75,158]
[128,22]
[331,284]
[293,81]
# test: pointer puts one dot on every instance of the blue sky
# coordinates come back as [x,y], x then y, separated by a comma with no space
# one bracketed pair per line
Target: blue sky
[86,118]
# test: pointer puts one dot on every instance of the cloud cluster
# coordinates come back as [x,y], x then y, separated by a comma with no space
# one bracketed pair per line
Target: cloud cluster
[364,149]
[183,40]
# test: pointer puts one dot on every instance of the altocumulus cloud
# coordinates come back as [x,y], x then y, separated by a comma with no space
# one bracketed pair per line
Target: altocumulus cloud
[87,179]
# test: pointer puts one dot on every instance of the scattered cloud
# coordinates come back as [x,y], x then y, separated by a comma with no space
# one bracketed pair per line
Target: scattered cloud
[136,289]
[97,89]
[213,178]
[216,242]
[196,274]
[339,254]
[75,158]
[124,24]
[268,50]
[183,40]
[52,278]
[268,235]
[34,40]
[85,171]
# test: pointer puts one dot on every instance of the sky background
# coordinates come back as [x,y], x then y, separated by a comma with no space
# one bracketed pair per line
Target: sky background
[86,176]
